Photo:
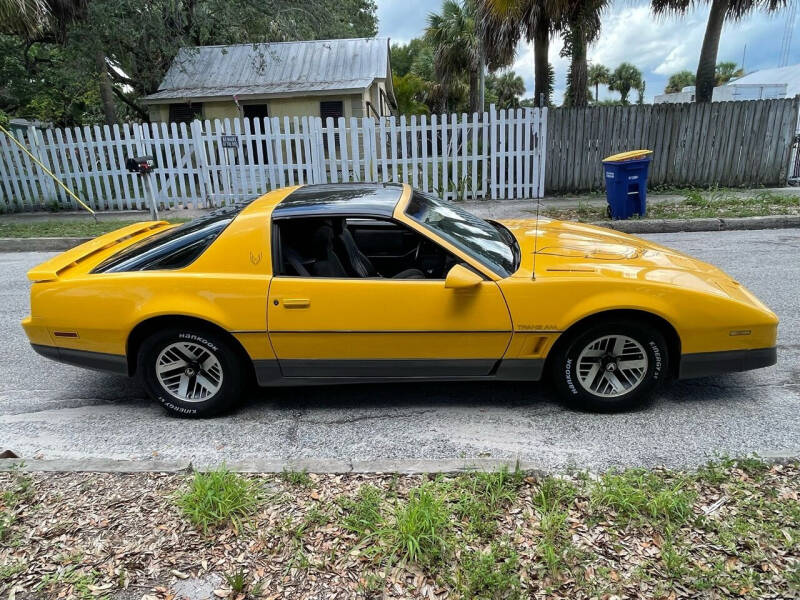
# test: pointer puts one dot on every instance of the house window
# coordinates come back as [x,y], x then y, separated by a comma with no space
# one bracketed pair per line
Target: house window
[185,113]
[331,108]
[255,111]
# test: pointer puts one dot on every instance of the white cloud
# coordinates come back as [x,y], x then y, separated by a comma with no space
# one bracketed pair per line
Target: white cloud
[659,46]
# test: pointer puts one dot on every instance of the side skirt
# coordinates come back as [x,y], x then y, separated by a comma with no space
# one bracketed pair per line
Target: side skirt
[269,373]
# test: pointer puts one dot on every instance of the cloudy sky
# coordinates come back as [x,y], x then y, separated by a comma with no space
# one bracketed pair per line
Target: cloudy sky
[659,47]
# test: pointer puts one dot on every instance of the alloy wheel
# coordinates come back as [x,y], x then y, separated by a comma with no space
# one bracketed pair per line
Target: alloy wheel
[189,372]
[612,365]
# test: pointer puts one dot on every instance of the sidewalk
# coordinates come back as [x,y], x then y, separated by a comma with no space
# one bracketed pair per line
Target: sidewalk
[493,209]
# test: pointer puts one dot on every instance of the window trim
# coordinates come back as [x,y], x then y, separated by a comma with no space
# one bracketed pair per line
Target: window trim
[276,253]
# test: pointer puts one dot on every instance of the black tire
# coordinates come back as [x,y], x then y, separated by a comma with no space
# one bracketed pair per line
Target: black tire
[227,371]
[631,388]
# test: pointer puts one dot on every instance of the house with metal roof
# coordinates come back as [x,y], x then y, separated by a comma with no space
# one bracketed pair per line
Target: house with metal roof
[325,78]
[766,84]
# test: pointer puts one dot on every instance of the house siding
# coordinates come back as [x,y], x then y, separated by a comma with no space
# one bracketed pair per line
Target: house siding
[355,105]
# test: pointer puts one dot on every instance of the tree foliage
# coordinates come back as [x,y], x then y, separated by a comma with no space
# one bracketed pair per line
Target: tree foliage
[720,12]
[598,75]
[678,81]
[725,71]
[58,68]
[505,89]
[624,78]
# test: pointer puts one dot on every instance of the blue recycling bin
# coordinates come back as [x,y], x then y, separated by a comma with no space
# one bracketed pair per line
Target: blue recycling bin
[626,183]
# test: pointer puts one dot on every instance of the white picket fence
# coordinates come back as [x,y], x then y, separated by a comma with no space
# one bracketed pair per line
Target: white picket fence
[498,155]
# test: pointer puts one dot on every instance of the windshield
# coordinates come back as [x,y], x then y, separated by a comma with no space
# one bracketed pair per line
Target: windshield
[493,246]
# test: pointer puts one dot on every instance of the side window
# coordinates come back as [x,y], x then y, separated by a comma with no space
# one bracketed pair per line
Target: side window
[356,247]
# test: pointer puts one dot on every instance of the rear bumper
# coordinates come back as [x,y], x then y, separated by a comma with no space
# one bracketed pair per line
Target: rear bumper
[82,358]
[704,364]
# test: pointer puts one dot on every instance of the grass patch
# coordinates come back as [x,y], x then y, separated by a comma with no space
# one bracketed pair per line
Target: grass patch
[420,528]
[85,227]
[481,498]
[218,497]
[695,205]
[490,575]
[18,492]
[364,513]
[729,529]
[551,501]
[297,478]
[643,496]
[82,582]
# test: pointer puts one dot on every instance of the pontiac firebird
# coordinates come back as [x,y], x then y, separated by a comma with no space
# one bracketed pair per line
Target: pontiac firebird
[348,283]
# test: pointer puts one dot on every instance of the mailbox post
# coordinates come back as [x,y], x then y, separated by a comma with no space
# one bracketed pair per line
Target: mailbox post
[143,166]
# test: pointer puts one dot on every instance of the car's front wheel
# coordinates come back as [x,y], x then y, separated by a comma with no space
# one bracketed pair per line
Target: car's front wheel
[191,372]
[610,367]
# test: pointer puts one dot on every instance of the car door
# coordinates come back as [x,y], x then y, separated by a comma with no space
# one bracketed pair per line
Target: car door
[383,327]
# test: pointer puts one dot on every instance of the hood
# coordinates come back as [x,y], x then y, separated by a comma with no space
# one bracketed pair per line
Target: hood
[567,249]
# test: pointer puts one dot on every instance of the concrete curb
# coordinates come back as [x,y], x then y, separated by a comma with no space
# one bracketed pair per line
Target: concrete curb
[59,244]
[411,466]
[52,244]
[404,466]
[712,224]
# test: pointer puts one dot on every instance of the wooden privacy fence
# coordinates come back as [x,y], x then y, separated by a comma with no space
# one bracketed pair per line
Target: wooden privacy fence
[717,143]
[494,155]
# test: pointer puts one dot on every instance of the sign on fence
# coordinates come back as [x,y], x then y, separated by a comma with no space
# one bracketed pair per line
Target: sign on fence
[497,154]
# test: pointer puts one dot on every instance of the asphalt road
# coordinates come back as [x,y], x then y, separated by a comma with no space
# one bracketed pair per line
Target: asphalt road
[50,410]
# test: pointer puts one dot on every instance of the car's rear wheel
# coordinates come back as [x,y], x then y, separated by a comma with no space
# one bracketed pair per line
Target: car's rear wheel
[610,367]
[191,372]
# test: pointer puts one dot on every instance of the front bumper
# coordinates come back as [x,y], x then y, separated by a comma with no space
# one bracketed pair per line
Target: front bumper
[703,364]
[98,361]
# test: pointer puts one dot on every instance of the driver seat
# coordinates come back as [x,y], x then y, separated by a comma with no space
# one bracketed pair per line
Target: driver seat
[360,264]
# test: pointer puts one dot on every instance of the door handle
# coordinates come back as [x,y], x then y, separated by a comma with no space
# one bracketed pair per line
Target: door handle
[296,303]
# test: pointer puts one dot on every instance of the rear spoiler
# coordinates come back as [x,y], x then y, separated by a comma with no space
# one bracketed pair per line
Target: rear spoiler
[50,270]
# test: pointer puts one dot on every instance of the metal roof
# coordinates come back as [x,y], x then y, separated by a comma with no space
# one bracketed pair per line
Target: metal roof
[279,68]
[782,75]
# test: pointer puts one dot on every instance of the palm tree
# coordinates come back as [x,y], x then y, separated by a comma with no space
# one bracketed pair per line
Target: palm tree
[721,10]
[598,74]
[24,17]
[457,47]
[625,78]
[503,23]
[580,26]
[508,87]
[725,71]
[678,81]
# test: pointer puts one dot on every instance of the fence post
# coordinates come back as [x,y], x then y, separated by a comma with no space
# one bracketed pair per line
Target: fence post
[45,182]
[492,150]
[542,149]
[201,160]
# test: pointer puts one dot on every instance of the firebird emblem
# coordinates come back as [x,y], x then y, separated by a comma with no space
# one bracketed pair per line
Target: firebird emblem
[255,259]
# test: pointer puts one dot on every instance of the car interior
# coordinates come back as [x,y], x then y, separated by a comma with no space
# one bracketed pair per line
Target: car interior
[360,247]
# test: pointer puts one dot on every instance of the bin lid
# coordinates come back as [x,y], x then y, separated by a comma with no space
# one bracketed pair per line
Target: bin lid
[630,155]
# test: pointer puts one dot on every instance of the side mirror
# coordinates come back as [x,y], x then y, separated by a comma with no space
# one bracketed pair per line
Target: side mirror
[460,277]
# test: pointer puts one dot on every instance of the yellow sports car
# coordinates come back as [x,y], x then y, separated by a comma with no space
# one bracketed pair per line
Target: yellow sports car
[379,282]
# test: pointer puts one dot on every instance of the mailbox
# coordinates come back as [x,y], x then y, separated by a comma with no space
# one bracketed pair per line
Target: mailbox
[140,164]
